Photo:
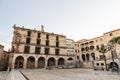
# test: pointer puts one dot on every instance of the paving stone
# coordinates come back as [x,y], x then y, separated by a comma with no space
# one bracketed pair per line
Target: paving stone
[70,74]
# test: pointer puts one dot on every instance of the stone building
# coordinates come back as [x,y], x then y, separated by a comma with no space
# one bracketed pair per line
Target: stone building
[37,49]
[1,51]
[89,51]
[3,58]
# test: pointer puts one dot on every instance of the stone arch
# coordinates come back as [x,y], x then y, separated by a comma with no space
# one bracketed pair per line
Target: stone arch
[113,64]
[51,61]
[83,57]
[87,57]
[61,61]
[19,62]
[93,55]
[70,58]
[31,62]
[41,62]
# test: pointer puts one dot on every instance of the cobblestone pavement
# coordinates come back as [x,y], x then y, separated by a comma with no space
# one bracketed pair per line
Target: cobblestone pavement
[11,75]
[3,75]
[70,74]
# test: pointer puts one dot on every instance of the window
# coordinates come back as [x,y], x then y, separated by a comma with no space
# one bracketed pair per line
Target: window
[75,50]
[38,36]
[28,40]
[26,49]
[56,51]
[77,57]
[102,57]
[57,44]
[87,48]
[110,34]
[37,50]
[82,49]
[57,38]
[46,51]
[91,47]
[38,41]
[47,36]
[97,47]
[47,43]
[97,64]
[29,33]
[102,64]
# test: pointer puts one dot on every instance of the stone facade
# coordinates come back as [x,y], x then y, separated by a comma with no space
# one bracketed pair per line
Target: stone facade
[3,58]
[38,49]
[89,50]
[70,47]
[1,51]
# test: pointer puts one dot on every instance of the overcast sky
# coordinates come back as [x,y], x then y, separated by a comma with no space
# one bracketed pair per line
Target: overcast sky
[77,19]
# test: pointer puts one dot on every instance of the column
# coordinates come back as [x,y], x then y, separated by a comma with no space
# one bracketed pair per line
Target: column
[56,63]
[25,64]
[46,63]
[36,61]
[12,64]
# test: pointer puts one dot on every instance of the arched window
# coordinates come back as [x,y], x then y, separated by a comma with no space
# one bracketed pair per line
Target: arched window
[93,55]
[83,57]
[87,56]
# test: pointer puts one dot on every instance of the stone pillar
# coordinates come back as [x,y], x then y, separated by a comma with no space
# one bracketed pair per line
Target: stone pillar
[12,64]
[56,63]
[25,64]
[36,61]
[46,62]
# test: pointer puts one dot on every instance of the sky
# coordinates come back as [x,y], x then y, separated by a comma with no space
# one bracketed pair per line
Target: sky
[76,19]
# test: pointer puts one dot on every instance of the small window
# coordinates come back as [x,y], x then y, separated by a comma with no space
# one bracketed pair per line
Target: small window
[47,36]
[38,35]
[75,50]
[37,50]
[29,33]
[26,49]
[38,41]
[57,44]
[102,64]
[56,51]
[47,43]
[46,51]
[110,34]
[57,38]
[97,47]
[28,40]
[77,57]
[97,64]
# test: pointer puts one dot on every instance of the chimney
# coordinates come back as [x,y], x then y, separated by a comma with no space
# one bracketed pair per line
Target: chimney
[14,25]
[42,28]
